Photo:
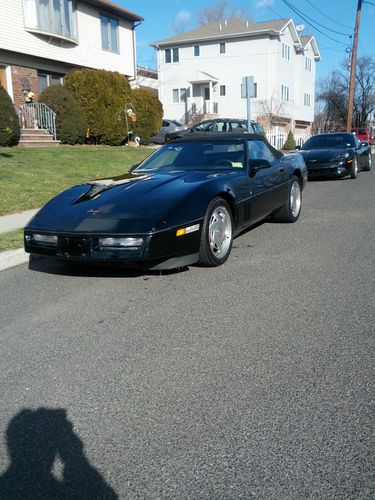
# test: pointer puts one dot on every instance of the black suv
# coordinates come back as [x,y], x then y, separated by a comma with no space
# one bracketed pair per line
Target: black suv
[216,126]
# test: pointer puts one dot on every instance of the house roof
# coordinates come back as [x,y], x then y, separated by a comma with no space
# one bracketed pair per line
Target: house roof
[227,29]
[305,40]
[116,9]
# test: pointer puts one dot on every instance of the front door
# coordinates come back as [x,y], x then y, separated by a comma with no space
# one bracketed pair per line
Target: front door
[269,185]
[206,93]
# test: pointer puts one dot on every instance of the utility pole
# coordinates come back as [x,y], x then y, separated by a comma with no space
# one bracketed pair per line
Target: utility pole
[349,122]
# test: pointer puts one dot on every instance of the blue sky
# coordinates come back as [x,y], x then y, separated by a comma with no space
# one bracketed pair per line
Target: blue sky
[160,16]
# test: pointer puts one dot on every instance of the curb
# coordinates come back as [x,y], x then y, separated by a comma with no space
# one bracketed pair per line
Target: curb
[11,258]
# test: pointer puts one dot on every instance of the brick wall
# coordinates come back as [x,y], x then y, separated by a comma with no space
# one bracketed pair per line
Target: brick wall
[23,78]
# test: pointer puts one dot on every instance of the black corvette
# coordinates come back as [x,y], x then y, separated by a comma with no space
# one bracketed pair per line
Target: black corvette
[183,204]
[336,154]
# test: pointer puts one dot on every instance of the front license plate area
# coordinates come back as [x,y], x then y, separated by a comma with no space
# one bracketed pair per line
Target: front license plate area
[74,246]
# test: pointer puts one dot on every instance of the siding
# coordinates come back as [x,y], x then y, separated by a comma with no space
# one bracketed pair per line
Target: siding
[87,53]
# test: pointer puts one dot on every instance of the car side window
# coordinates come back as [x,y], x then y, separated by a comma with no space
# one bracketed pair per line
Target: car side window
[204,126]
[258,150]
[238,125]
[219,127]
[165,124]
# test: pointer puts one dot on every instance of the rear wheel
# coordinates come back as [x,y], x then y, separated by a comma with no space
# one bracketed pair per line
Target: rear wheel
[291,210]
[217,234]
[354,169]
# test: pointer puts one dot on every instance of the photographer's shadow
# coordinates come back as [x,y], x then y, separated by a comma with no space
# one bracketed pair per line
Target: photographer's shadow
[35,439]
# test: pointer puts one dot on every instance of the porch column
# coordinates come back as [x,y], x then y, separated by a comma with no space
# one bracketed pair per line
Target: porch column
[210,86]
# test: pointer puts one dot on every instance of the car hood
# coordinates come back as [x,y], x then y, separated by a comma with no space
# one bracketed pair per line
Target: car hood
[128,203]
[323,155]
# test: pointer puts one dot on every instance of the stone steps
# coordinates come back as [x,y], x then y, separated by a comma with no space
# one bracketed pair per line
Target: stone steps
[38,138]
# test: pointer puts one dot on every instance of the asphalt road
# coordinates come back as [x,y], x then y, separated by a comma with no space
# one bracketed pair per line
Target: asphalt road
[255,379]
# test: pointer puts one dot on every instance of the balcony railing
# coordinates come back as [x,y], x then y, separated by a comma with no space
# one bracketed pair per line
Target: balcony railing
[39,116]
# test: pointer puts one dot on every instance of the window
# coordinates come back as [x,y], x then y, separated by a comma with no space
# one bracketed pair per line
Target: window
[222,90]
[307,99]
[285,51]
[284,93]
[308,64]
[222,48]
[51,16]
[196,50]
[179,95]
[258,150]
[109,27]
[47,79]
[171,55]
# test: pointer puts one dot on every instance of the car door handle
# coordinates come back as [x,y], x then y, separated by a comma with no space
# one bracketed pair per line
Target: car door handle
[281,169]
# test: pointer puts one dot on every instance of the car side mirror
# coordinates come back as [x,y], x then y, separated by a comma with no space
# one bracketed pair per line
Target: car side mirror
[259,164]
[364,144]
[133,167]
[298,148]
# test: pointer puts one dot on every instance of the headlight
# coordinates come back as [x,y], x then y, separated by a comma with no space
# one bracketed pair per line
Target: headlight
[120,242]
[342,157]
[44,238]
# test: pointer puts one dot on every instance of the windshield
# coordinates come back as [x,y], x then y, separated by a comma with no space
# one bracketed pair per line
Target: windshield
[330,141]
[202,155]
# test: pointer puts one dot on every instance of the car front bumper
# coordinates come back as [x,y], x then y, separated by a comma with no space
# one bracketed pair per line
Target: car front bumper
[328,170]
[160,250]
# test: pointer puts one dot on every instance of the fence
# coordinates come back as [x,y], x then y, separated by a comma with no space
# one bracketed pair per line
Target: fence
[278,137]
[37,115]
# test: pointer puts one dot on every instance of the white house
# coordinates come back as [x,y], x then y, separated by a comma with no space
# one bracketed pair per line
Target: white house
[146,78]
[41,40]
[201,72]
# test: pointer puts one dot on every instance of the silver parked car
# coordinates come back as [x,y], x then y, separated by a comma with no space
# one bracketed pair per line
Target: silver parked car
[167,127]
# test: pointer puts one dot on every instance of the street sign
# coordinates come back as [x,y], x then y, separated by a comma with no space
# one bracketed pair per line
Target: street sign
[247,83]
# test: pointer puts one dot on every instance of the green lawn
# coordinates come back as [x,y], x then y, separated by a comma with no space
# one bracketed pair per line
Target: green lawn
[29,177]
[10,241]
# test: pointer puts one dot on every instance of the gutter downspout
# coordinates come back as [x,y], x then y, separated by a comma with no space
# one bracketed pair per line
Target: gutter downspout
[135,25]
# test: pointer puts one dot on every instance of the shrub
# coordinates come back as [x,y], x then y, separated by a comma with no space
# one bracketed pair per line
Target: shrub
[290,143]
[9,123]
[104,97]
[149,113]
[71,122]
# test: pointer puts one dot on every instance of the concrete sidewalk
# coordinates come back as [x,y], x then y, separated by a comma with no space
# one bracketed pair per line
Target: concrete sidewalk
[16,221]
[9,223]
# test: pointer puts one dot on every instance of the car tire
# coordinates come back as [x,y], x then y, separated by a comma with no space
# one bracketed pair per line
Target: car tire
[290,212]
[369,163]
[217,234]
[354,168]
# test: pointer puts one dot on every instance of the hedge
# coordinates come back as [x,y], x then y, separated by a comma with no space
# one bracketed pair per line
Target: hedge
[149,113]
[104,96]
[71,122]
[9,123]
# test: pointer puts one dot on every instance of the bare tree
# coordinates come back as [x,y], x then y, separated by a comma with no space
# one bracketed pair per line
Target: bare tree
[182,20]
[333,95]
[271,111]
[219,11]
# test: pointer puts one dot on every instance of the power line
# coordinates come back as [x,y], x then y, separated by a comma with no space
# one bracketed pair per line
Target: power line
[296,11]
[314,21]
[325,15]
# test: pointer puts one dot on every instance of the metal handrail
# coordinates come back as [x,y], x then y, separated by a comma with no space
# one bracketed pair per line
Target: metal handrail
[37,115]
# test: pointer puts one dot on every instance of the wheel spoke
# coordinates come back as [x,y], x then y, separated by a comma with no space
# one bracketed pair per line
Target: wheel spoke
[220,232]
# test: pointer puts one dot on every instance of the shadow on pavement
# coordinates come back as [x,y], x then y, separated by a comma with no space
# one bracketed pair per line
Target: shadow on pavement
[35,438]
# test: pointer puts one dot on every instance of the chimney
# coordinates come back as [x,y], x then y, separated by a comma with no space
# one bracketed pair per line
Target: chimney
[247,24]
[220,27]
[225,22]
